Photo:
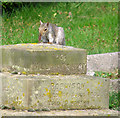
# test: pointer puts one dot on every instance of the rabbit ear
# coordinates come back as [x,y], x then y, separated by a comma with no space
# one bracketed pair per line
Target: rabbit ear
[47,23]
[41,22]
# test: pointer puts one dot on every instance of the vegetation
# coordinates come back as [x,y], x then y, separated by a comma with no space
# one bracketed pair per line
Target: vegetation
[114,100]
[92,26]
[111,75]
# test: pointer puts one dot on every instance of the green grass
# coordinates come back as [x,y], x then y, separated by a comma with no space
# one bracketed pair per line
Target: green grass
[92,26]
[111,75]
[114,100]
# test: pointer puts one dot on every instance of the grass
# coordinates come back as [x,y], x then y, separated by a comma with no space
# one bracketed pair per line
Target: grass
[114,100]
[111,75]
[92,26]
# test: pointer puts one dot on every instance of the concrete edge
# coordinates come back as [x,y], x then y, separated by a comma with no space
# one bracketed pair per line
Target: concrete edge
[105,112]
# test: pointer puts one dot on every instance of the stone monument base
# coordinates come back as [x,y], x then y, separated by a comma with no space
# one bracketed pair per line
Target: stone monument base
[54,91]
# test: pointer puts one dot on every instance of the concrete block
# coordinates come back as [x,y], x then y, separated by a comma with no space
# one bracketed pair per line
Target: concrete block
[114,85]
[43,59]
[14,91]
[55,91]
[107,62]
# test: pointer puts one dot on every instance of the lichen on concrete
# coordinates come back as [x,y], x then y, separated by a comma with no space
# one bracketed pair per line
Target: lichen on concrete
[55,91]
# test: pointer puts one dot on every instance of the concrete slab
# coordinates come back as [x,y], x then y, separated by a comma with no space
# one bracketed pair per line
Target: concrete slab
[105,112]
[106,62]
[55,91]
[114,85]
[43,59]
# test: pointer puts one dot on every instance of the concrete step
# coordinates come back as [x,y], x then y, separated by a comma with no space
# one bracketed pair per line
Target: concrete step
[66,113]
[54,91]
[43,59]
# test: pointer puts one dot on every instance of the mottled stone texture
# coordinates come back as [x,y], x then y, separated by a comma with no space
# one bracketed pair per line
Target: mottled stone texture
[55,91]
[43,59]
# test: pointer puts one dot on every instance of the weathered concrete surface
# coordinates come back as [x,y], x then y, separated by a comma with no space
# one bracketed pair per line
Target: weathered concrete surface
[105,112]
[43,59]
[107,62]
[114,85]
[55,92]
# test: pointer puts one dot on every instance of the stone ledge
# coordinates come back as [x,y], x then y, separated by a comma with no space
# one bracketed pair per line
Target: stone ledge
[43,59]
[55,92]
[105,112]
